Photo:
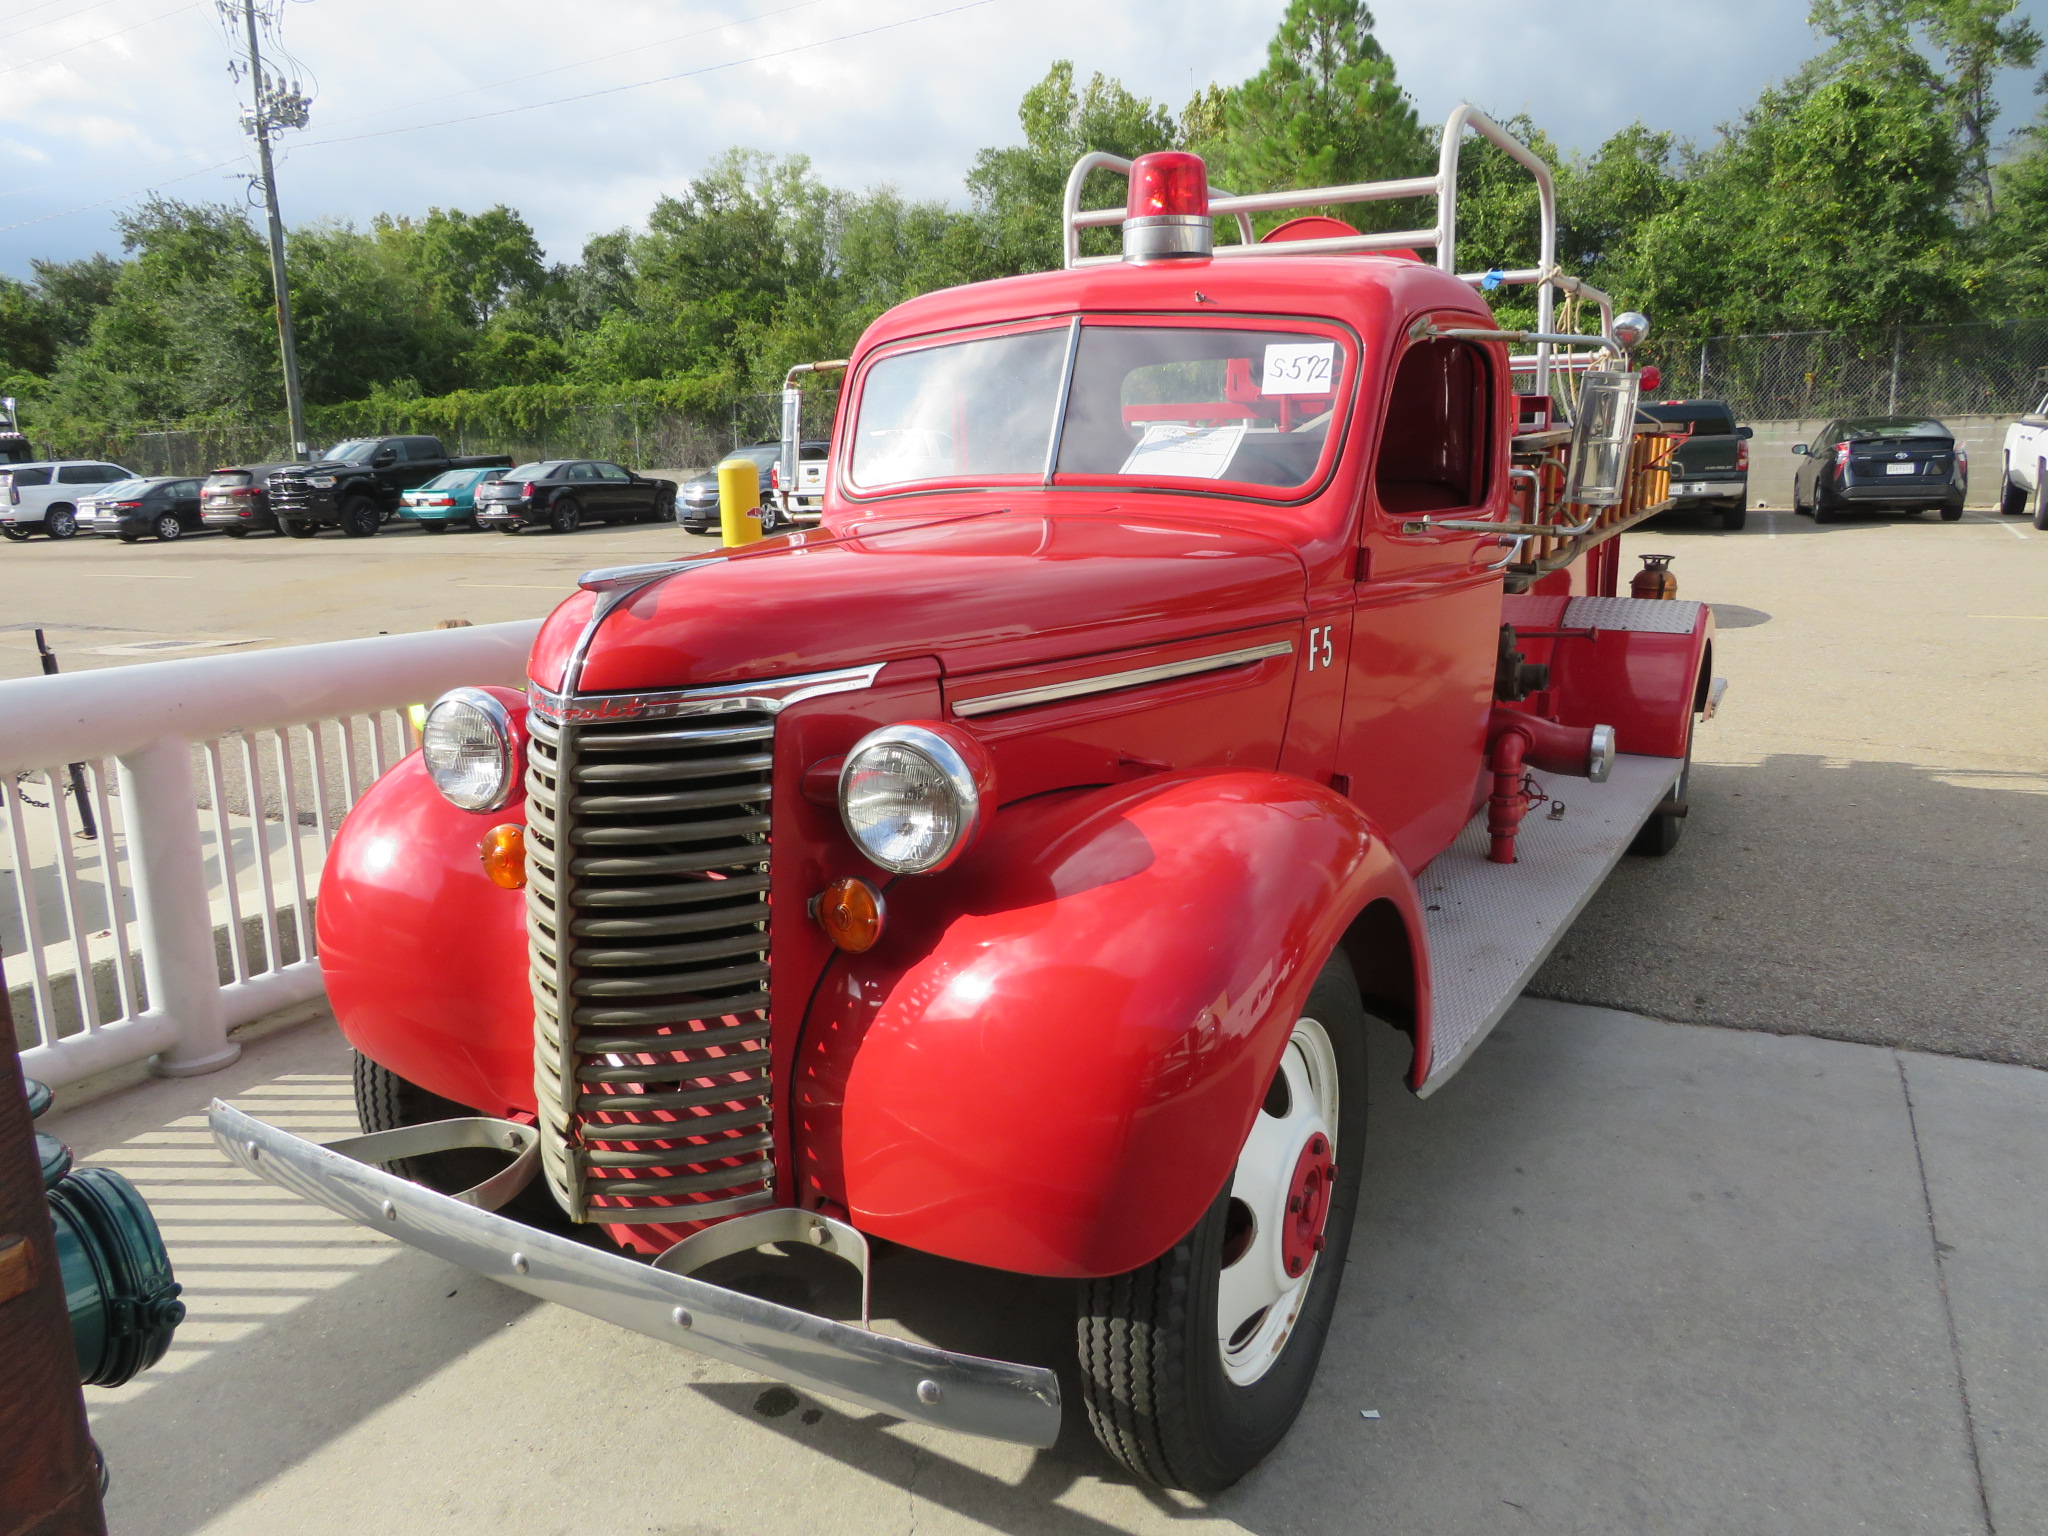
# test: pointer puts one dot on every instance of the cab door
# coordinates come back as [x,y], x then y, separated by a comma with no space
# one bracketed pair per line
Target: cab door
[1426,625]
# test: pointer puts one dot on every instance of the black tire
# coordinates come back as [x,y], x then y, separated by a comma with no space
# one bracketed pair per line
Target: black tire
[60,522]
[129,538]
[360,517]
[1951,511]
[292,528]
[1734,519]
[1152,1365]
[236,533]
[508,527]
[168,528]
[16,535]
[1661,832]
[386,1102]
[2041,497]
[566,515]
[1821,511]
[2012,499]
[433,527]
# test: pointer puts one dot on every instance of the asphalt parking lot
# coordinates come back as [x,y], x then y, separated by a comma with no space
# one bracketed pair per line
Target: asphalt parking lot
[1869,840]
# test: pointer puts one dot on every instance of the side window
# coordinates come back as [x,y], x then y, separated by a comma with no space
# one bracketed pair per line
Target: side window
[421,449]
[25,477]
[1435,451]
[1826,439]
[109,473]
[583,472]
[612,472]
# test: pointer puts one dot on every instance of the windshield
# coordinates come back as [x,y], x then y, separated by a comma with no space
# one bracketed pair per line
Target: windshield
[127,488]
[357,450]
[1245,408]
[226,479]
[1705,420]
[538,471]
[1894,426]
[453,480]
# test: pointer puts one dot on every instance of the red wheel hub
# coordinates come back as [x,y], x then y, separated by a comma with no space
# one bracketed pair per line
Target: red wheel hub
[1308,1206]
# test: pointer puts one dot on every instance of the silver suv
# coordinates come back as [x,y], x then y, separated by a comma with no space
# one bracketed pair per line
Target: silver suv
[43,498]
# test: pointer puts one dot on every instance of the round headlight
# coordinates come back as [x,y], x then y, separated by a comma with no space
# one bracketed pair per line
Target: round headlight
[912,796]
[467,746]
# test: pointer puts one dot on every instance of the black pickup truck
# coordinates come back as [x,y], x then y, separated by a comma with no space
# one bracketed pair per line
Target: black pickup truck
[355,485]
[1710,472]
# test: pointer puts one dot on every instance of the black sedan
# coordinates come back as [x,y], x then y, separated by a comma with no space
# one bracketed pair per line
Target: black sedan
[236,498]
[562,494]
[697,506]
[160,505]
[1881,463]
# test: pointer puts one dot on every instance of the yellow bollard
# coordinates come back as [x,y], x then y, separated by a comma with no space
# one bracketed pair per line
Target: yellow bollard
[739,501]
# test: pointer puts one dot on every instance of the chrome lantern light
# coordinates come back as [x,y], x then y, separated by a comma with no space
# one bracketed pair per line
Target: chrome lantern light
[1602,438]
[1167,215]
[1630,328]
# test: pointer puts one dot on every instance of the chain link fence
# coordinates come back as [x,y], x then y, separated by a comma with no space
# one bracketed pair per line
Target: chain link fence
[638,434]
[1989,369]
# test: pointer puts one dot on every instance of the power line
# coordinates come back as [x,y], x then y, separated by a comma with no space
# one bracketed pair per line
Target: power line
[499,81]
[119,197]
[686,74]
[35,26]
[190,5]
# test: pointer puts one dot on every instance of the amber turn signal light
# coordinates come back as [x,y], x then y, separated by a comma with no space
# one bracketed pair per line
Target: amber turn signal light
[503,851]
[850,911]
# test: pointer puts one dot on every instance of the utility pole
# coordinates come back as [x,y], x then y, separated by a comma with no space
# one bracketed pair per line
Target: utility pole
[270,109]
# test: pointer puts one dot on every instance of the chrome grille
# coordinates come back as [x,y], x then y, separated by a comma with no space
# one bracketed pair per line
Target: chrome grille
[647,930]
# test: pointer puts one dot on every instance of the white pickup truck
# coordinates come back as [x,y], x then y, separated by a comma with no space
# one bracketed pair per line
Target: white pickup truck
[2026,465]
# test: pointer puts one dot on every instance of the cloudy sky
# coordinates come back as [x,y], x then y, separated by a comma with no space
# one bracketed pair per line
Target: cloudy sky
[102,99]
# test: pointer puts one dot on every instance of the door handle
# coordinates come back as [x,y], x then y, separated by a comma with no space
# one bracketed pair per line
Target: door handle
[1514,543]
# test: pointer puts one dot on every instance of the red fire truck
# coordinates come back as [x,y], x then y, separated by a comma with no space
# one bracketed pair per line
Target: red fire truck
[1188,666]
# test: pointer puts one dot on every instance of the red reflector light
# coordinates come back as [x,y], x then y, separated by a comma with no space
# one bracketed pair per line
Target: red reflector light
[1651,379]
[1169,181]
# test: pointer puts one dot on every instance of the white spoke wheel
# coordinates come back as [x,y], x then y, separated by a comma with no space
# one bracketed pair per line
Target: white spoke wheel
[1195,1365]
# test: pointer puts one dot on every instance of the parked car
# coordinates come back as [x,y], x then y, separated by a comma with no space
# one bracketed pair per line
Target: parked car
[2026,466]
[697,499]
[1881,463]
[236,498]
[1710,471]
[14,448]
[43,498]
[355,485]
[562,493]
[163,506]
[445,499]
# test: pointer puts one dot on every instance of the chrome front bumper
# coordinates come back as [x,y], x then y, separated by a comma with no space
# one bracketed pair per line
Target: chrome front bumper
[1018,1403]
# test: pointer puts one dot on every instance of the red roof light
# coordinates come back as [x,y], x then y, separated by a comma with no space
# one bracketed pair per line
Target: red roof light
[1169,181]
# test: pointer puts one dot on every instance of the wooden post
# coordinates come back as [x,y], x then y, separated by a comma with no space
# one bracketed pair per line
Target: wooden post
[48,1483]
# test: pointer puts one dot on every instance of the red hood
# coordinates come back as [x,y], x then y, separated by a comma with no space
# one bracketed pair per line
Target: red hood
[1000,590]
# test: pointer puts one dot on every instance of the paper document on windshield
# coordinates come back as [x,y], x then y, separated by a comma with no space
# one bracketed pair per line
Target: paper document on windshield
[1189,453]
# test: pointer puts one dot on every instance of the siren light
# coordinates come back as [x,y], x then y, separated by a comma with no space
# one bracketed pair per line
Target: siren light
[1167,214]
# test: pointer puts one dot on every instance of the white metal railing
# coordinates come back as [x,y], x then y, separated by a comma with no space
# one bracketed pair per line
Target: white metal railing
[1441,236]
[214,786]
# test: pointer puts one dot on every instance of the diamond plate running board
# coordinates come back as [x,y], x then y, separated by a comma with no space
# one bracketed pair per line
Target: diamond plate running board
[1491,925]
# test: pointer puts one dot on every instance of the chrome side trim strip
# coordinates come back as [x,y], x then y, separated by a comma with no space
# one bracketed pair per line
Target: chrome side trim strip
[1110,682]
[965,1393]
[772,695]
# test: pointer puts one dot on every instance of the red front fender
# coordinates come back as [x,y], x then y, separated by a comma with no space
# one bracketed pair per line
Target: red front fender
[1049,1062]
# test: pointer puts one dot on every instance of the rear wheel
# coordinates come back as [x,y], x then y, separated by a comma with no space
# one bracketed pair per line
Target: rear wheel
[1195,1365]
[1821,513]
[129,538]
[1951,511]
[433,527]
[17,535]
[167,527]
[60,522]
[2040,497]
[2012,499]
[360,517]
[1660,834]
[387,1102]
[1734,519]
[566,516]
[236,533]
[292,528]
[508,527]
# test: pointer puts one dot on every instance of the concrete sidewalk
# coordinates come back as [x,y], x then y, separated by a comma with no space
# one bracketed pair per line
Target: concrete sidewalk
[1621,1276]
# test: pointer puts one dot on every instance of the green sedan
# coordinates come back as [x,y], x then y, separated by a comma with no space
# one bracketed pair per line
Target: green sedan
[447,498]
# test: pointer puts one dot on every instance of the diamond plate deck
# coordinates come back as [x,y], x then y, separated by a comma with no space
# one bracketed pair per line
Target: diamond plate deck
[1491,925]
[1639,615]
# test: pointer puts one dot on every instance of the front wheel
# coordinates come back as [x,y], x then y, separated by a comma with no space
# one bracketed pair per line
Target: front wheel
[60,522]
[360,517]
[168,528]
[387,1102]
[1194,1366]
[293,528]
